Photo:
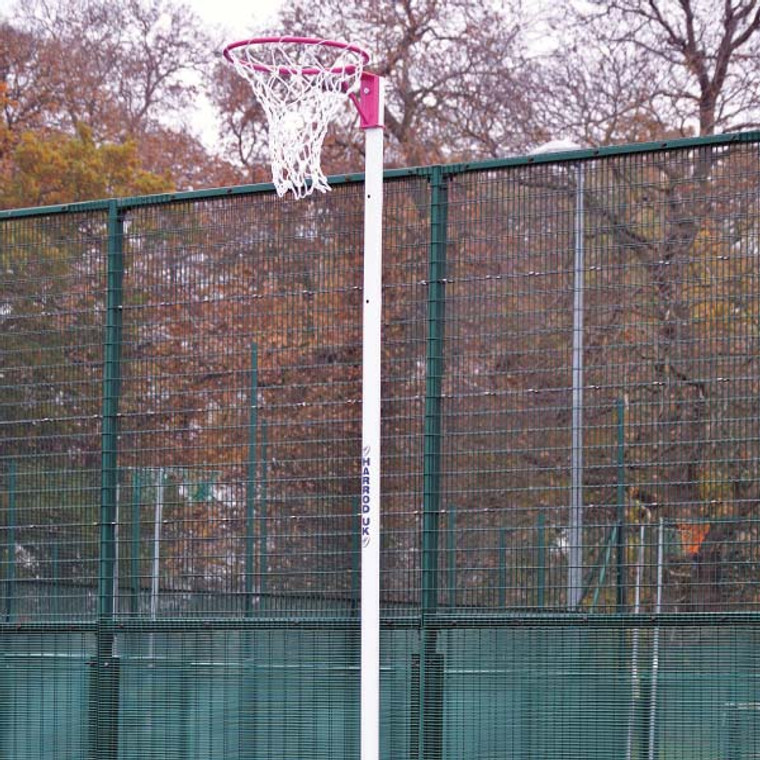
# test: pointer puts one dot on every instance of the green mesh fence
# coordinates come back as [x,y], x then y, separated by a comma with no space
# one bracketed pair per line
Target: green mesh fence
[571,438]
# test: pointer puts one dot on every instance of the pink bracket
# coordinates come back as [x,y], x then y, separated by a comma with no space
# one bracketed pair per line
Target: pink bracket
[368,103]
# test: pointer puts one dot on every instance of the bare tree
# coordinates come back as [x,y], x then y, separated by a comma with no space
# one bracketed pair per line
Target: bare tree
[596,94]
[627,69]
[243,134]
[120,69]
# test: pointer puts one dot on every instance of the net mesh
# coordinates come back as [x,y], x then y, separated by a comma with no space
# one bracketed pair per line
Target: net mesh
[301,88]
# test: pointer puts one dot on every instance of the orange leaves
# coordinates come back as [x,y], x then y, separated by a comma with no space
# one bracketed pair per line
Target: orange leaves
[692,535]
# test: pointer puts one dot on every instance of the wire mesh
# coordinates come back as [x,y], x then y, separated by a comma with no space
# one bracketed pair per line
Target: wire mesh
[44,699]
[51,311]
[241,404]
[574,692]
[600,370]
[570,446]
[241,371]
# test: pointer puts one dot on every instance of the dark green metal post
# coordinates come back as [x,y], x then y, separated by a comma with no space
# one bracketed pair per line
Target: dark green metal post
[263,532]
[541,559]
[451,554]
[110,425]
[134,554]
[10,577]
[104,698]
[250,495]
[431,666]
[502,568]
[604,563]
[431,498]
[55,578]
[621,595]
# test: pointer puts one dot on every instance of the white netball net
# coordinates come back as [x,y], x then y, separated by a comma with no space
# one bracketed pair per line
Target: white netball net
[301,88]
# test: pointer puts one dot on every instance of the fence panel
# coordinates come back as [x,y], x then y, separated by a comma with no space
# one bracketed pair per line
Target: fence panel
[52,304]
[571,418]
[601,371]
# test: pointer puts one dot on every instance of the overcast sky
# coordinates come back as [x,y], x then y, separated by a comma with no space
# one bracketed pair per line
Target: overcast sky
[233,15]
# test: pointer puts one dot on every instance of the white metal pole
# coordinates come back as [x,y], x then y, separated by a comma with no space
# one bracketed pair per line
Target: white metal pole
[370,462]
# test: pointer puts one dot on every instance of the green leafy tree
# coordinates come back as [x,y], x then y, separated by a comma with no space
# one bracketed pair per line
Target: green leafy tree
[50,167]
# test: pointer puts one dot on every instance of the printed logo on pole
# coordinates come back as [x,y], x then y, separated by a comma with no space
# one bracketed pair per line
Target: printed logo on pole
[366,502]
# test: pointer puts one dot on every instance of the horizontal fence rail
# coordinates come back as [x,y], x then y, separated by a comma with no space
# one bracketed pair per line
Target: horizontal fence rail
[571,488]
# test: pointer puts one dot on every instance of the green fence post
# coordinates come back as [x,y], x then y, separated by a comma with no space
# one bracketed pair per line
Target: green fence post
[451,554]
[541,559]
[263,532]
[431,665]
[434,393]
[110,425]
[621,595]
[134,554]
[10,577]
[431,498]
[250,495]
[502,568]
[603,565]
[55,591]
[104,698]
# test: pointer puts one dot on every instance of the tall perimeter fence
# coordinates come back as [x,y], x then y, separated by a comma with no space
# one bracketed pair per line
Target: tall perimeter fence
[571,466]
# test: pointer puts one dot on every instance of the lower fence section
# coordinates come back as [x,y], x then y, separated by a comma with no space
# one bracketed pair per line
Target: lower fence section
[532,692]
[45,695]
[676,693]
